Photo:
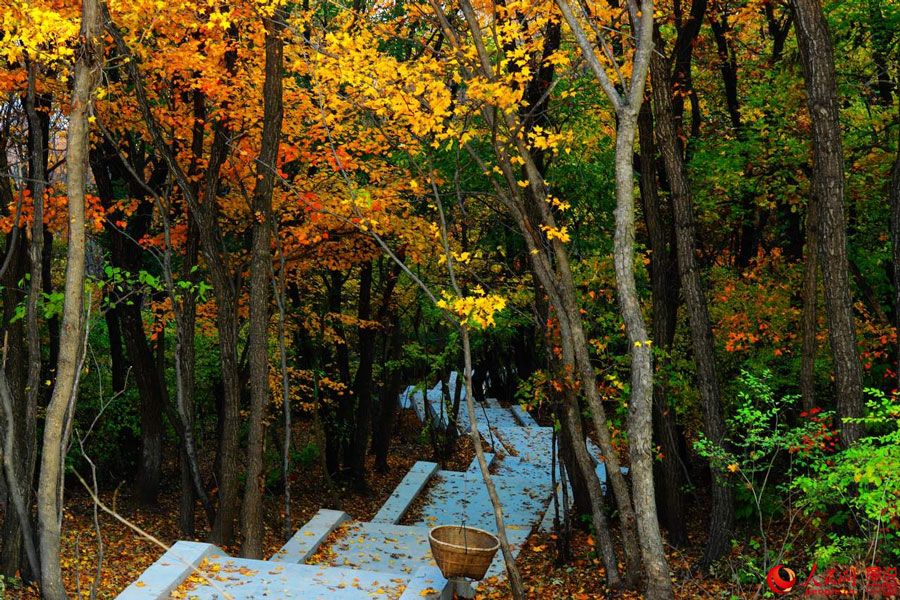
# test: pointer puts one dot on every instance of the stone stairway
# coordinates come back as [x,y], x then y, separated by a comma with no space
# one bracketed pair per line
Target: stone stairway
[334,557]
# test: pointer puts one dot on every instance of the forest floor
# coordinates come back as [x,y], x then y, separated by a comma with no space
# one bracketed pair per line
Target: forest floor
[127,553]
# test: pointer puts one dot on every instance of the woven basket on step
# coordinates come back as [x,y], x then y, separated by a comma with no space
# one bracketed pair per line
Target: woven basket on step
[462,551]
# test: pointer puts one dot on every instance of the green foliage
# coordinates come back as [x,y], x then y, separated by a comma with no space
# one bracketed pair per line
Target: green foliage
[763,455]
[860,487]
[9,586]
[758,439]
[791,480]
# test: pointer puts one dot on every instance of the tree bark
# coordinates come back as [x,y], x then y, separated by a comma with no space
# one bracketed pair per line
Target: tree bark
[260,268]
[20,437]
[643,513]
[695,300]
[125,253]
[809,321]
[226,287]
[152,403]
[817,57]
[191,486]
[640,429]
[895,245]
[390,391]
[59,412]
[663,284]
[362,382]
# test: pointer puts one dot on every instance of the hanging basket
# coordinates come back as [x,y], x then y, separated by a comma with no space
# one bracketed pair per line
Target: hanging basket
[463,551]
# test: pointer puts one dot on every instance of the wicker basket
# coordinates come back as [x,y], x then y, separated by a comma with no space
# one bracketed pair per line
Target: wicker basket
[462,551]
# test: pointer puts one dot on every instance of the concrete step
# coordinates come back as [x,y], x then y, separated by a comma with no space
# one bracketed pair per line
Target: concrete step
[514,466]
[492,403]
[304,543]
[528,443]
[378,547]
[167,573]
[245,579]
[406,492]
[456,498]
[475,469]
[522,416]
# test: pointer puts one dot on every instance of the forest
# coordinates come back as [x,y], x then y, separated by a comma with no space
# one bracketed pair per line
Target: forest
[668,233]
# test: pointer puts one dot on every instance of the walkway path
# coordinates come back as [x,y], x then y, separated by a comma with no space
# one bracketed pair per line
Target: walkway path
[333,557]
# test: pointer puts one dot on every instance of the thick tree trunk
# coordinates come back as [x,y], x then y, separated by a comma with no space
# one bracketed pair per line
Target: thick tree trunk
[59,412]
[895,239]
[663,284]
[828,180]
[16,428]
[640,429]
[260,267]
[227,321]
[695,300]
[333,418]
[809,321]
[152,402]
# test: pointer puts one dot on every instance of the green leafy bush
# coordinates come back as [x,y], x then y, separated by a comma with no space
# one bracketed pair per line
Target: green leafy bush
[859,490]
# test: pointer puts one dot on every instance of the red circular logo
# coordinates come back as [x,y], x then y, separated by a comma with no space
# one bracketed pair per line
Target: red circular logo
[781,580]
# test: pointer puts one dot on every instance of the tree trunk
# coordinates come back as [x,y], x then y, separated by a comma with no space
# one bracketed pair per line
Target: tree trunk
[227,322]
[695,300]
[17,429]
[828,180]
[152,402]
[640,429]
[663,284]
[185,368]
[184,356]
[335,418]
[512,573]
[59,412]
[362,382]
[895,239]
[20,437]
[116,350]
[809,321]
[260,267]
[127,316]
[581,499]
[225,286]
[390,391]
